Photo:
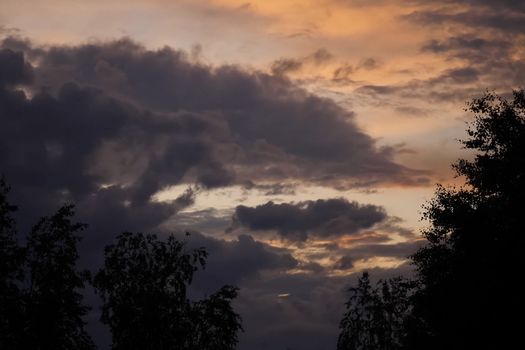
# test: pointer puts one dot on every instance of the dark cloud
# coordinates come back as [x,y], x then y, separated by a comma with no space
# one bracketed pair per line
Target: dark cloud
[15,70]
[344,263]
[457,75]
[504,17]
[107,125]
[368,64]
[298,311]
[412,111]
[485,36]
[232,262]
[474,49]
[377,89]
[298,221]
[342,73]
[286,65]
[230,116]
[450,85]
[320,56]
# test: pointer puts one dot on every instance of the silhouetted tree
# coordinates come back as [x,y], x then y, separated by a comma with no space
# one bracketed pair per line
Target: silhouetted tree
[214,323]
[143,285]
[471,265]
[376,315]
[467,294]
[11,260]
[53,303]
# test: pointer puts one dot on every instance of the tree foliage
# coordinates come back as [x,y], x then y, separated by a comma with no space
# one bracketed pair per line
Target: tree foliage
[475,238]
[376,315]
[143,284]
[54,308]
[466,294]
[40,297]
[11,260]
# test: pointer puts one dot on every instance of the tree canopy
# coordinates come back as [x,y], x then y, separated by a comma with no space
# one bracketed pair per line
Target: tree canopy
[466,294]
[143,284]
[11,259]
[40,297]
[475,239]
[54,308]
[376,315]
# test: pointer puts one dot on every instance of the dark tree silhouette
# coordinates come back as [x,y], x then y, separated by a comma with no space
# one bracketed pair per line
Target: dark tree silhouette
[53,302]
[40,303]
[11,260]
[143,285]
[215,324]
[376,315]
[467,294]
[476,238]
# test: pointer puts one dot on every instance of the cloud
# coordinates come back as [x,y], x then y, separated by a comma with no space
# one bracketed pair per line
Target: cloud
[367,251]
[213,125]
[307,318]
[502,19]
[284,66]
[449,85]
[342,73]
[107,125]
[320,218]
[474,49]
[344,263]
[15,70]
[233,262]
[368,64]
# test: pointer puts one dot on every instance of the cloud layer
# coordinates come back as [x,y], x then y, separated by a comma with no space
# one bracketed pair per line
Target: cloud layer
[320,218]
[108,125]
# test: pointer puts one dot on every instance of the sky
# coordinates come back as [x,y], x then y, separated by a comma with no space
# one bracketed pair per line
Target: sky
[296,140]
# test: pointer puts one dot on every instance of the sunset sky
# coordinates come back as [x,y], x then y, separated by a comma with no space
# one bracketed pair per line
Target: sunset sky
[296,140]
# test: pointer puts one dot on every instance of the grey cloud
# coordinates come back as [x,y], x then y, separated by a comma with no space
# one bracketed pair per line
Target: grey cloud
[286,65]
[487,37]
[390,250]
[457,75]
[505,16]
[307,318]
[342,73]
[236,261]
[369,64]
[472,48]
[15,70]
[231,115]
[412,111]
[134,121]
[377,89]
[107,125]
[298,221]
[346,262]
[320,56]
[456,84]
